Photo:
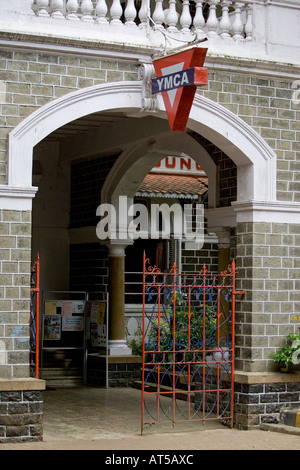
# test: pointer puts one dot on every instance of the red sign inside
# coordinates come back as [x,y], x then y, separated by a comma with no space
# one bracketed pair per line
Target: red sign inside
[178,76]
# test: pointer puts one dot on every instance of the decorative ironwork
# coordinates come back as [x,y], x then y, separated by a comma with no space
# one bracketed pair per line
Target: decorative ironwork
[188,347]
[34,319]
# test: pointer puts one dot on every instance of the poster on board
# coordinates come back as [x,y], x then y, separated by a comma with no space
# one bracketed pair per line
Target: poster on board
[52,327]
[72,323]
[96,327]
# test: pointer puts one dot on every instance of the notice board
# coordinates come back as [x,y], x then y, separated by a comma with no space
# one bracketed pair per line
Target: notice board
[96,327]
[63,323]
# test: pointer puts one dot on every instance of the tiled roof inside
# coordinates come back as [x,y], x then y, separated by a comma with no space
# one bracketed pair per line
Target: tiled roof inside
[173,185]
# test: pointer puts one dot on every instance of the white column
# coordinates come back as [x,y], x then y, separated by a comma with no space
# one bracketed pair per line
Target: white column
[101,12]
[158,14]
[172,16]
[57,9]
[237,26]
[72,10]
[212,21]
[144,11]
[87,10]
[42,7]
[249,23]
[116,12]
[199,21]
[225,25]
[185,19]
[130,13]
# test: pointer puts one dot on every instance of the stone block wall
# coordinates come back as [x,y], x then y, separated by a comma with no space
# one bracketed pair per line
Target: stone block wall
[193,260]
[15,255]
[261,402]
[30,80]
[266,105]
[21,410]
[120,372]
[268,263]
[267,254]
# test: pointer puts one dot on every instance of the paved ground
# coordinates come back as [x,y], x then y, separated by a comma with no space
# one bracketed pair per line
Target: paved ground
[110,420]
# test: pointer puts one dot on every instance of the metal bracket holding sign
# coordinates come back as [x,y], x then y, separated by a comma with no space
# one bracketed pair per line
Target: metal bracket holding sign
[177,78]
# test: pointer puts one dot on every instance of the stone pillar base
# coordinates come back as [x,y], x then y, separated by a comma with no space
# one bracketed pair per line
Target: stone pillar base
[118,348]
[21,411]
[261,396]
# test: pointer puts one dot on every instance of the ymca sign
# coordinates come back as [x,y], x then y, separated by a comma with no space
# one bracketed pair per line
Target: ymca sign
[192,76]
[177,77]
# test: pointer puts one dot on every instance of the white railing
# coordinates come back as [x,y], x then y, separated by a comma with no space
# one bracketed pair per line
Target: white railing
[224,18]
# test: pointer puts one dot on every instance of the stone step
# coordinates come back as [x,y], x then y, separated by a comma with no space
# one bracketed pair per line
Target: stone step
[290,417]
[64,382]
[62,376]
[47,372]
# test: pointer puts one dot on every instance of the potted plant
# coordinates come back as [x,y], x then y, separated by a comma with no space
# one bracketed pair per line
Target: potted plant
[289,354]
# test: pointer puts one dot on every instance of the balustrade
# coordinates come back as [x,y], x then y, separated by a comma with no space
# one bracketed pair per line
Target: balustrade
[224,18]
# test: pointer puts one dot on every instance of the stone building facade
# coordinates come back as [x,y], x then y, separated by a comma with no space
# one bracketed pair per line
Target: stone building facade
[64,101]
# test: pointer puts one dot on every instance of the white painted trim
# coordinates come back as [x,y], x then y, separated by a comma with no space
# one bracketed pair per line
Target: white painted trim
[256,161]
[267,211]
[135,163]
[53,115]
[47,48]
[214,61]
[17,198]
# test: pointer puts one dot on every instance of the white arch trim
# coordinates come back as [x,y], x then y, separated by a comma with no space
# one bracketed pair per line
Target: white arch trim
[256,161]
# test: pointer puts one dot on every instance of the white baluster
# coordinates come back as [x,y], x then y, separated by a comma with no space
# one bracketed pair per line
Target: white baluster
[158,14]
[199,20]
[212,21]
[72,9]
[57,9]
[249,24]
[130,13]
[42,7]
[225,25]
[87,10]
[143,14]
[237,26]
[116,12]
[185,19]
[101,11]
[172,16]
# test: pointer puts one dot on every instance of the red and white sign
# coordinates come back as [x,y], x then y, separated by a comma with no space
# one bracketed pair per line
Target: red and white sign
[178,165]
[178,76]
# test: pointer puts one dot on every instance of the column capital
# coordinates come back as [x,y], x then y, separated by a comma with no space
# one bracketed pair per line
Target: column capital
[116,248]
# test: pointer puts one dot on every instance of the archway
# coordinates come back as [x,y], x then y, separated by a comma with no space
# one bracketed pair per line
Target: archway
[255,160]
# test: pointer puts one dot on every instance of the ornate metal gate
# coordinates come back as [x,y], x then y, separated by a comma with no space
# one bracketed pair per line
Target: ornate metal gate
[34,318]
[188,345]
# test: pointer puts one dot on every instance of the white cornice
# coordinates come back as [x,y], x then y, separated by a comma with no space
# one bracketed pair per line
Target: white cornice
[16,198]
[143,53]
[260,67]
[267,211]
[253,211]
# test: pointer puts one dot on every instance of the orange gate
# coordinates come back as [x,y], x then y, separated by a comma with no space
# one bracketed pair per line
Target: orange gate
[34,319]
[188,345]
